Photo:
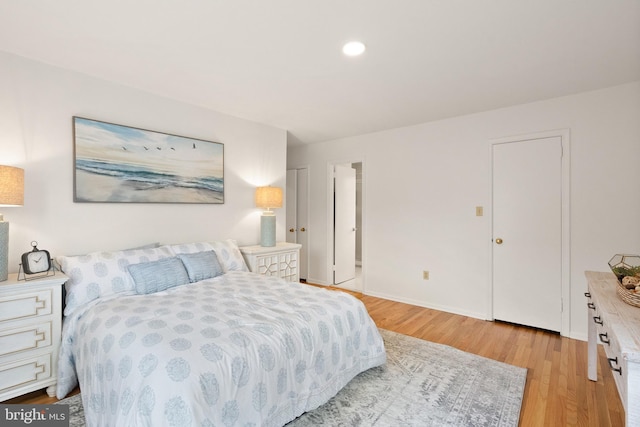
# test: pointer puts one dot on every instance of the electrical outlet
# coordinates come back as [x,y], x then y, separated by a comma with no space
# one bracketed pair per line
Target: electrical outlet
[425,275]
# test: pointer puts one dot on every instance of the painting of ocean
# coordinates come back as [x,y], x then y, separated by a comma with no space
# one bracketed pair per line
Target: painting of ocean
[122,164]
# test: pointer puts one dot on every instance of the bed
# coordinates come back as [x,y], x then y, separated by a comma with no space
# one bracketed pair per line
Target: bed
[184,335]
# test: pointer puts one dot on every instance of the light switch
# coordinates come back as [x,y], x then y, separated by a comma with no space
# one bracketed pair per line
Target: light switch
[479,211]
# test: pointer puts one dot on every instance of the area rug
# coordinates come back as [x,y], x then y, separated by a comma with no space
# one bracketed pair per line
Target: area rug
[422,384]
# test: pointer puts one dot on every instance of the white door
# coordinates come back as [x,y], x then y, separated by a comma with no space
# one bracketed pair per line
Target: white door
[344,252]
[297,214]
[527,232]
[291,203]
[302,207]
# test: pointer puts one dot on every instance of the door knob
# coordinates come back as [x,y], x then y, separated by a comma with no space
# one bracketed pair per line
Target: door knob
[303,229]
[499,241]
[291,230]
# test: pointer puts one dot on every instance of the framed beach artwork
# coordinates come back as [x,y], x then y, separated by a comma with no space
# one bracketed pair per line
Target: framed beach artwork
[122,164]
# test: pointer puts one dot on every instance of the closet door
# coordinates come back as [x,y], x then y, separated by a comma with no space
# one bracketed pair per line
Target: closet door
[291,203]
[297,205]
[302,207]
[527,232]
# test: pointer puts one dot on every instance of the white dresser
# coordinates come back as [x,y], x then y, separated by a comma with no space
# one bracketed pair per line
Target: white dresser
[280,260]
[617,325]
[30,331]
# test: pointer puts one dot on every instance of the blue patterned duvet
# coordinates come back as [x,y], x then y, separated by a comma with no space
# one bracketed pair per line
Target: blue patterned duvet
[237,350]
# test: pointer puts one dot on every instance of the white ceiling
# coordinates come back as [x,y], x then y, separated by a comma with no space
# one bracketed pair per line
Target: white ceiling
[279,62]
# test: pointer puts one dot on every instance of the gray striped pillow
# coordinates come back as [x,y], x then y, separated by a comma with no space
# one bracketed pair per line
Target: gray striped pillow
[156,276]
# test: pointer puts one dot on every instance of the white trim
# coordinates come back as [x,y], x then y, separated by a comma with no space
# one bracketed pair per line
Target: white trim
[565,137]
[418,303]
[318,282]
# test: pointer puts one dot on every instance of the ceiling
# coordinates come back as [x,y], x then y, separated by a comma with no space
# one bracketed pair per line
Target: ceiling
[279,62]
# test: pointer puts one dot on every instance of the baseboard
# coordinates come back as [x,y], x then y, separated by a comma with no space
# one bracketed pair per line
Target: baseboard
[453,310]
[348,288]
[579,336]
[317,282]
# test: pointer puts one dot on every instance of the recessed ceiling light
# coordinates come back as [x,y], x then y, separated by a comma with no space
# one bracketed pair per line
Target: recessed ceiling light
[354,48]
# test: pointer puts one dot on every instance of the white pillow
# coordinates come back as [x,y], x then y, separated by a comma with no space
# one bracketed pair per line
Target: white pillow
[103,274]
[227,252]
[229,255]
[191,248]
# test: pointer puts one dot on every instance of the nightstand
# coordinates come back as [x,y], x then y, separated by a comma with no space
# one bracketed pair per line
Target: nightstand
[30,333]
[280,260]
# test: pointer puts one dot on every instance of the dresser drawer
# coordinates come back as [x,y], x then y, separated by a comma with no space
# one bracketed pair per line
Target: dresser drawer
[26,305]
[618,368]
[602,328]
[23,372]
[29,337]
[611,348]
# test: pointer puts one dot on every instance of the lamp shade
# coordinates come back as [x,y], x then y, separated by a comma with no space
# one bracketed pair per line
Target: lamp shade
[11,186]
[269,197]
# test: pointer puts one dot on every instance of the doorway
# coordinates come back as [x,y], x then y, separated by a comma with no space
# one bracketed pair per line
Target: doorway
[347,225]
[530,222]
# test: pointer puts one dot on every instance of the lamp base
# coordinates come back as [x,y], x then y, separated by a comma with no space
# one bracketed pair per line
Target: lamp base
[4,250]
[268,230]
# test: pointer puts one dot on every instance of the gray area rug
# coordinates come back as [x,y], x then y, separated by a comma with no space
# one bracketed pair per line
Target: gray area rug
[422,384]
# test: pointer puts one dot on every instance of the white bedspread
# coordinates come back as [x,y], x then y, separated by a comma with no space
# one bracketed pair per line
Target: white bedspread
[237,350]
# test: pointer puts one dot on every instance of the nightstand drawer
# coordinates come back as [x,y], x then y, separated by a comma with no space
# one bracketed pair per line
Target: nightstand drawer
[26,305]
[279,261]
[23,372]
[23,338]
[30,333]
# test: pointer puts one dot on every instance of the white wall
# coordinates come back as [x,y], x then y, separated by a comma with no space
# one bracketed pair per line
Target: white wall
[422,183]
[37,103]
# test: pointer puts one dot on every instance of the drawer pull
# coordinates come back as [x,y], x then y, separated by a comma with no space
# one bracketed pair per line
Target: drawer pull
[587,294]
[40,336]
[611,362]
[598,320]
[591,305]
[604,337]
[39,369]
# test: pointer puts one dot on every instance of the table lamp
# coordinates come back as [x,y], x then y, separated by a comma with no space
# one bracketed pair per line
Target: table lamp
[268,198]
[11,194]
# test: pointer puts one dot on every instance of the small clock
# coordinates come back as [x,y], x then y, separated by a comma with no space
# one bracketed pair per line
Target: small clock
[36,261]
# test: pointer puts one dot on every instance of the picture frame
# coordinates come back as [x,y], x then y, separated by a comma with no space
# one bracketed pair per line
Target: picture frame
[122,164]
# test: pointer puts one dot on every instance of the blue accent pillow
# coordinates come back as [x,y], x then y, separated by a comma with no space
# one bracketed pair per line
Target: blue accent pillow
[201,265]
[156,276]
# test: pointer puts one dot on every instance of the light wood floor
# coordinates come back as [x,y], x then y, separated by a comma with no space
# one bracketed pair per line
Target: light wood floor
[557,393]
